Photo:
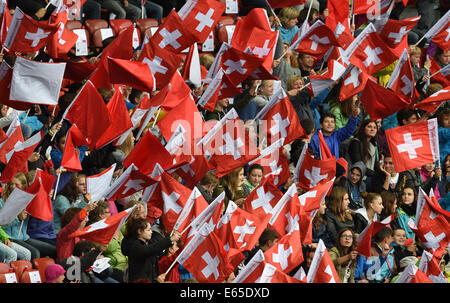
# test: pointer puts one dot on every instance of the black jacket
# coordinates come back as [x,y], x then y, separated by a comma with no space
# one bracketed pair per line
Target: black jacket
[143,257]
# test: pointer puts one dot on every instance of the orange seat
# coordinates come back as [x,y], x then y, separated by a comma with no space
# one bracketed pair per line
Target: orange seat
[88,40]
[144,24]
[4,268]
[20,265]
[26,278]
[222,34]
[3,277]
[73,24]
[94,26]
[41,264]
[119,25]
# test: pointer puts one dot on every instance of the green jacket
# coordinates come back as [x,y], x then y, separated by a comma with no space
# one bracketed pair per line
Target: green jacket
[114,252]
[3,235]
[340,269]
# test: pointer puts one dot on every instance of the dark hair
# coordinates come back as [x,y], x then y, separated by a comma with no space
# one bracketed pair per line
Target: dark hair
[388,201]
[405,114]
[308,125]
[255,166]
[382,234]
[68,215]
[344,250]
[83,247]
[70,190]
[442,114]
[94,215]
[135,93]
[133,227]
[268,235]
[327,115]
[364,144]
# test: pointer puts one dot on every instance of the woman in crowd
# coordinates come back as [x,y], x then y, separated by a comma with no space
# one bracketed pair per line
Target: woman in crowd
[337,213]
[344,255]
[232,185]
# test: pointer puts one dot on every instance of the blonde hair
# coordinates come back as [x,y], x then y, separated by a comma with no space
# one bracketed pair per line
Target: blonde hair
[288,13]
[23,180]
[231,181]
[206,60]
[414,50]
[127,145]
[291,80]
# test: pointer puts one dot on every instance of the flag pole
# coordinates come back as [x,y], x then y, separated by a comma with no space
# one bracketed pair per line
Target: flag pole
[434,74]
[172,265]
[56,187]
[53,137]
[20,229]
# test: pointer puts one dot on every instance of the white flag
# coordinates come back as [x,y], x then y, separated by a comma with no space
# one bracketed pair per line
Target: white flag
[97,185]
[36,82]
[16,203]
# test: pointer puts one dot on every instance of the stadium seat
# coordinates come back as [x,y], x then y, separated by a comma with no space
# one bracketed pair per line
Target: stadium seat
[119,25]
[76,31]
[94,28]
[26,276]
[4,268]
[144,26]
[3,277]
[41,264]
[20,265]
[222,34]
[73,24]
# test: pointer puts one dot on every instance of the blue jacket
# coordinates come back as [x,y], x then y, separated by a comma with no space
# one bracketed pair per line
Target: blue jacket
[444,202]
[444,142]
[38,228]
[335,139]
[288,34]
[375,268]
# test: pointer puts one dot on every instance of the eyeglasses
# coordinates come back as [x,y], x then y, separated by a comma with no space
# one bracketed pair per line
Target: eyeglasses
[347,236]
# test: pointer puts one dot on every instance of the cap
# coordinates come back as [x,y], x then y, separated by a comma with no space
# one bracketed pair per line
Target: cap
[52,272]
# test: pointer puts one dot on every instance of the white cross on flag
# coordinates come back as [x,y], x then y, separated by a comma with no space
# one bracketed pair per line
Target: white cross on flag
[402,78]
[412,274]
[316,41]
[369,52]
[286,213]
[430,267]
[205,258]
[281,119]
[286,254]
[353,82]
[432,224]
[312,199]
[128,183]
[414,145]
[338,21]
[240,229]
[163,63]
[252,270]
[395,33]
[263,198]
[27,35]
[322,268]
[172,35]
[439,33]
[228,144]
[431,103]
[201,17]
[312,172]
[238,65]
[103,231]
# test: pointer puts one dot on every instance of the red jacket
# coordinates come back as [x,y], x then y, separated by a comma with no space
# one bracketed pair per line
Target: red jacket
[64,244]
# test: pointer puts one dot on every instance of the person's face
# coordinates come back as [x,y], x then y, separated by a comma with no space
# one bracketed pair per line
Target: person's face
[307,61]
[223,102]
[355,176]
[328,124]
[415,59]
[241,178]
[408,196]
[255,177]
[429,167]
[292,22]
[447,164]
[385,245]
[379,123]
[81,186]
[377,205]
[139,211]
[394,207]
[446,121]
[345,202]
[60,279]
[139,99]
[410,120]
[371,130]
[444,58]
[105,214]
[346,239]
[399,237]
[4,111]
[62,143]
[146,233]
[297,84]
[16,183]
[389,165]
[267,88]
[322,208]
